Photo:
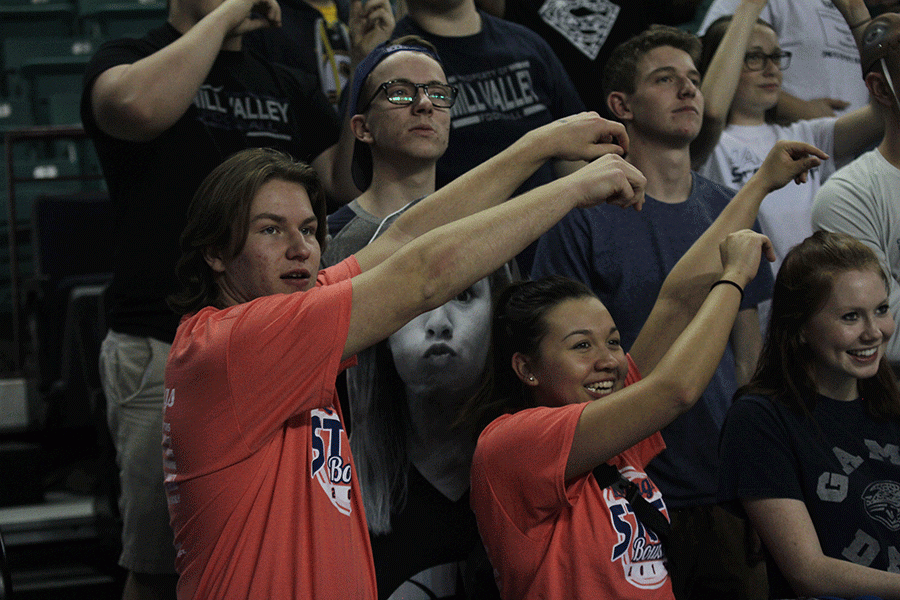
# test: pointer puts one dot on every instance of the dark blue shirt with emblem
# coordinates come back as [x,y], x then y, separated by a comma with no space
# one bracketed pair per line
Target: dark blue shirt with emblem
[839,460]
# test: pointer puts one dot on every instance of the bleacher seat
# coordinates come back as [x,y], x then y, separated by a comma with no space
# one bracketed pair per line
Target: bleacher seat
[72,239]
[27,18]
[15,112]
[59,108]
[41,66]
[111,19]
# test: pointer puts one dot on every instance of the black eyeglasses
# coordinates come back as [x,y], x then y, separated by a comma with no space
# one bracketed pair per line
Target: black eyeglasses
[403,93]
[756,61]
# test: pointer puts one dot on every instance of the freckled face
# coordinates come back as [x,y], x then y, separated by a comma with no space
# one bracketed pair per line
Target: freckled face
[580,357]
[848,335]
[281,253]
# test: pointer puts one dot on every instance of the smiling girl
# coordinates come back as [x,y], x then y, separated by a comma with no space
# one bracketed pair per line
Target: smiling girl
[810,445]
[562,398]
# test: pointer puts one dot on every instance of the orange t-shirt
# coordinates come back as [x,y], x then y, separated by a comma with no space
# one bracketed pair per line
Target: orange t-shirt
[557,540]
[263,496]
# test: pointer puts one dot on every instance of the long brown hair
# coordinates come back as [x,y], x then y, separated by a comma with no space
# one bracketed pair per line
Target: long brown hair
[218,218]
[802,287]
[518,325]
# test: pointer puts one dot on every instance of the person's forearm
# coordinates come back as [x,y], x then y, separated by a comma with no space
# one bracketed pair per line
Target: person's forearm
[487,185]
[701,265]
[787,530]
[493,181]
[746,342]
[468,249]
[721,78]
[477,245]
[141,100]
[826,576]
[856,14]
[686,285]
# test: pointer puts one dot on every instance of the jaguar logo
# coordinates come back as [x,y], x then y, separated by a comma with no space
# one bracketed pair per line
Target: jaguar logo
[882,502]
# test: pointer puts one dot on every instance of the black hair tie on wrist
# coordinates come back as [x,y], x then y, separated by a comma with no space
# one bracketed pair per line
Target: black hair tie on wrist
[729,282]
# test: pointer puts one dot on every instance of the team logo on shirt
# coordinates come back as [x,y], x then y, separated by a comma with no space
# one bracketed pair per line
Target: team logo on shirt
[331,465]
[882,502]
[637,550]
[585,23]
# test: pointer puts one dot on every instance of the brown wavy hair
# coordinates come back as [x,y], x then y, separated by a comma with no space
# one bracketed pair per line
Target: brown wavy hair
[802,287]
[219,218]
[620,70]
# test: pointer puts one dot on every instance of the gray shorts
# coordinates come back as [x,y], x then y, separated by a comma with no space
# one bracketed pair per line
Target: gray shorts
[132,370]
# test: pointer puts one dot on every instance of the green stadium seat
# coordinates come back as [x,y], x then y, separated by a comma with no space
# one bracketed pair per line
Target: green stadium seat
[111,19]
[42,67]
[20,19]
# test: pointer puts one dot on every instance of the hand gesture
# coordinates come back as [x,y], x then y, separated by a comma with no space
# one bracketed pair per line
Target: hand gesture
[585,136]
[250,15]
[740,253]
[370,24]
[609,179]
[788,160]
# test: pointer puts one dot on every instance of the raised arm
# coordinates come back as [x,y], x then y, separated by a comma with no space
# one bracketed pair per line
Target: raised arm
[688,343]
[370,24]
[439,264]
[610,425]
[862,128]
[787,531]
[585,136]
[721,79]
[686,285]
[139,101]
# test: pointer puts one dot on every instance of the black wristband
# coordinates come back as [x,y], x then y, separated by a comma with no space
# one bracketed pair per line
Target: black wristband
[729,282]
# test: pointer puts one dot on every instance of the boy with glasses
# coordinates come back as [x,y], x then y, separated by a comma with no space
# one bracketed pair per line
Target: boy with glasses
[400,105]
[400,116]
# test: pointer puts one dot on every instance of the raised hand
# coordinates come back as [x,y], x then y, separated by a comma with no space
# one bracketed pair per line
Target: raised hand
[786,161]
[250,15]
[584,136]
[740,253]
[370,24]
[609,179]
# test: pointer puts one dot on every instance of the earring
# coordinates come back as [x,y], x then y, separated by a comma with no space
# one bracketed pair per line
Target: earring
[531,378]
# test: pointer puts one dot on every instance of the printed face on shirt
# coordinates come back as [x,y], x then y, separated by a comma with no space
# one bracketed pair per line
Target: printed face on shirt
[281,253]
[447,347]
[666,104]
[418,130]
[848,335]
[581,356]
[758,91]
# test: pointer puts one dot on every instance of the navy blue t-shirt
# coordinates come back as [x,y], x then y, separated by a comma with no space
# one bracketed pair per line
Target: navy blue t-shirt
[624,256]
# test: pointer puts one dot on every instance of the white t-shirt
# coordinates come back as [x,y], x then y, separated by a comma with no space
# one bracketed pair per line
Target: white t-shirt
[825,61]
[784,215]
